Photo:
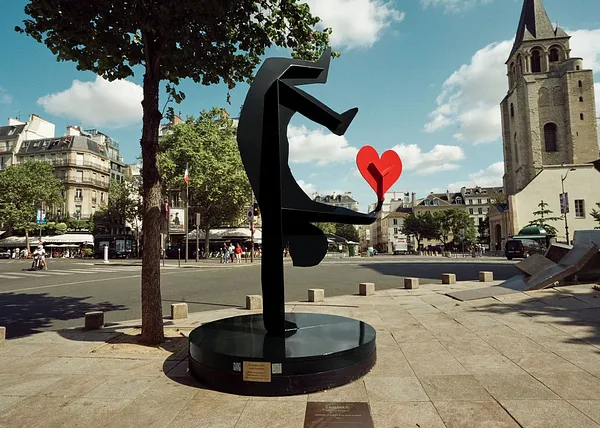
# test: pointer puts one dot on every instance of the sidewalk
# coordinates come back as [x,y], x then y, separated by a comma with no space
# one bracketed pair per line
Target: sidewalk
[524,359]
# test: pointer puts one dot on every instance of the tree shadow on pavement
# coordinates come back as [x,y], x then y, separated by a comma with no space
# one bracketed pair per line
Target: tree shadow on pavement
[572,313]
[463,271]
[25,314]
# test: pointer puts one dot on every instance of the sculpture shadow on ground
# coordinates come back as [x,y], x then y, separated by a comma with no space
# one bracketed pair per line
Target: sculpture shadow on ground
[463,271]
[573,312]
[24,314]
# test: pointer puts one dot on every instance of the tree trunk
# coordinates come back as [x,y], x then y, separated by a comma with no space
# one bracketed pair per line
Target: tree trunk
[27,240]
[152,323]
[206,242]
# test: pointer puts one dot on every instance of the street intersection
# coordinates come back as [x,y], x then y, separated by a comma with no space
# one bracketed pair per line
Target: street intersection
[59,297]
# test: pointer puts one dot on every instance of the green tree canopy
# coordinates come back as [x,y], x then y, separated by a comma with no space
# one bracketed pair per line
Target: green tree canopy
[209,41]
[25,188]
[544,219]
[346,231]
[326,227]
[218,186]
[421,226]
[596,214]
[123,205]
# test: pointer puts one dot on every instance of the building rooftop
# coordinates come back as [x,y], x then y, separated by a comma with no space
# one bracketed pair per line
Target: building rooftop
[11,131]
[477,191]
[73,142]
[331,199]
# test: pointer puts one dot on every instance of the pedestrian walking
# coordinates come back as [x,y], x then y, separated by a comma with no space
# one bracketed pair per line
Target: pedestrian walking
[238,253]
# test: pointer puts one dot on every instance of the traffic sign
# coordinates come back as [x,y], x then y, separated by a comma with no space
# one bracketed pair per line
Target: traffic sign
[250,213]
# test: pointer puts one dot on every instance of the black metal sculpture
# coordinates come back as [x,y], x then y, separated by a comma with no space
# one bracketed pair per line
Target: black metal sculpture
[275,353]
[287,212]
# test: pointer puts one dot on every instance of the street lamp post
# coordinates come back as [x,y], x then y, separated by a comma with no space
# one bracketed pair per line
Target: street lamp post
[565,203]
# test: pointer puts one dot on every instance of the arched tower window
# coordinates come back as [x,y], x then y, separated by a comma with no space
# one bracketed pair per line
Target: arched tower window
[554,57]
[519,65]
[512,110]
[516,149]
[550,131]
[536,61]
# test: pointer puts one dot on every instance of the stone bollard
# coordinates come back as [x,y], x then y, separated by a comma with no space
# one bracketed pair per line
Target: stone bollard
[253,301]
[448,278]
[366,288]
[316,295]
[2,334]
[179,311]
[486,276]
[411,283]
[94,320]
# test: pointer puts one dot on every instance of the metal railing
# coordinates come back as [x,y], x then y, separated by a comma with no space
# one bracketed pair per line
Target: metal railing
[72,163]
[77,180]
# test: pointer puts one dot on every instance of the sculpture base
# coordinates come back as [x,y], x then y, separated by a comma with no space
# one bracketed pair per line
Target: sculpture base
[237,355]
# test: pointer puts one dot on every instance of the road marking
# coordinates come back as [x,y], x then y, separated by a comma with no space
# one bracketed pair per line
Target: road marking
[41,287]
[9,277]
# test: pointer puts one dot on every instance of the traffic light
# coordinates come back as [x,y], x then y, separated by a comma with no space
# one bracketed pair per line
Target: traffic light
[255,210]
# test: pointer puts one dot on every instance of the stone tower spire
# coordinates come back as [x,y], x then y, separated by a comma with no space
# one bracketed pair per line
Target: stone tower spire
[535,25]
[548,114]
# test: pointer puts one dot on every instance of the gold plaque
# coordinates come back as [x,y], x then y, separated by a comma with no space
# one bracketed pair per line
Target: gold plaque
[255,371]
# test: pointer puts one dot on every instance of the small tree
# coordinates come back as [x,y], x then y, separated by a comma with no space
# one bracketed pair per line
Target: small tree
[209,41]
[420,226]
[219,189]
[545,217]
[596,215]
[483,229]
[123,205]
[327,228]
[346,231]
[25,188]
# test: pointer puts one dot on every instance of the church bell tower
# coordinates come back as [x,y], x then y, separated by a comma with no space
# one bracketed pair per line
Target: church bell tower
[549,114]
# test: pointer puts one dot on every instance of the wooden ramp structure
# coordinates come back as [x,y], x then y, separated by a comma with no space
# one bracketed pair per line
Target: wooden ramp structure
[538,272]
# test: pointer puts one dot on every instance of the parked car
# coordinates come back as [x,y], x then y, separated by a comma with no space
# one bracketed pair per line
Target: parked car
[522,248]
[4,254]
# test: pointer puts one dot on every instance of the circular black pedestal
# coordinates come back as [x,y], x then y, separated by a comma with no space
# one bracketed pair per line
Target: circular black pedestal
[236,355]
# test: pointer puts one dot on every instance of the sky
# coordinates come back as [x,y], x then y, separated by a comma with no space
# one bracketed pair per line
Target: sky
[426,75]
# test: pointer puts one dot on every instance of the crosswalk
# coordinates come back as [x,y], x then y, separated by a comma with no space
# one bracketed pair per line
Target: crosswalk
[75,271]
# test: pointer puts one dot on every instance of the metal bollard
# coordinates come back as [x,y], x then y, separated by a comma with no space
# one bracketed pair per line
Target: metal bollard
[179,257]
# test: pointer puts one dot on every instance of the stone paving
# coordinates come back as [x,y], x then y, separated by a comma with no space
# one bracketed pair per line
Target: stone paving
[520,360]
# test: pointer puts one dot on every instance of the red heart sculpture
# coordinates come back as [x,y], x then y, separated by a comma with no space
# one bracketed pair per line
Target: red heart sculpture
[380,173]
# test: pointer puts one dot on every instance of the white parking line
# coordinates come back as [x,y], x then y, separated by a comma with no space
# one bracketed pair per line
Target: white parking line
[9,277]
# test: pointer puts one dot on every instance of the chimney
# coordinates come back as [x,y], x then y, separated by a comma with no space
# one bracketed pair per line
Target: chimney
[73,130]
[448,195]
[414,199]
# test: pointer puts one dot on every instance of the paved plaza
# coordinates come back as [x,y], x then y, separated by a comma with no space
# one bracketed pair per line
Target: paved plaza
[520,360]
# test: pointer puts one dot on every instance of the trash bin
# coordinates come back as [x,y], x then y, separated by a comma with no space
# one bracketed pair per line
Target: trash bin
[351,250]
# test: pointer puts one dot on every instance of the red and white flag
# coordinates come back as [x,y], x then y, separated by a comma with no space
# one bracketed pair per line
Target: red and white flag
[186,177]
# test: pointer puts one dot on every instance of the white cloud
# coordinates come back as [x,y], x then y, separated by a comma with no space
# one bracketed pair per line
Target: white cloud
[99,103]
[5,97]
[471,96]
[307,146]
[440,158]
[355,23]
[308,188]
[489,177]
[453,5]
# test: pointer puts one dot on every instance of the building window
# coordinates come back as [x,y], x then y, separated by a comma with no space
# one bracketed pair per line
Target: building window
[436,202]
[78,194]
[577,68]
[458,200]
[395,221]
[536,61]
[579,208]
[580,99]
[553,55]
[480,210]
[471,211]
[550,137]
[478,201]
[427,203]
[580,84]
[581,116]
[79,159]
[78,211]
[395,230]
[512,110]
[93,197]
[101,197]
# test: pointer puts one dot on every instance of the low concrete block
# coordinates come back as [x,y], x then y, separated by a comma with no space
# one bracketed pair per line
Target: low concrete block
[253,301]
[366,288]
[179,311]
[448,278]
[94,320]
[2,334]
[486,276]
[411,283]
[316,295]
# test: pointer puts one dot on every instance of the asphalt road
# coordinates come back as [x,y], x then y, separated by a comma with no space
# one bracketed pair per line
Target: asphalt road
[58,298]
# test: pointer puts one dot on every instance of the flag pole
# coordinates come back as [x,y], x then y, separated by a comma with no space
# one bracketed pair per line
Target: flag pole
[187,208]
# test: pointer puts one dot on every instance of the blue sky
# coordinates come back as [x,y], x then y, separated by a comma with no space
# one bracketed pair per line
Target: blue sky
[426,75]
